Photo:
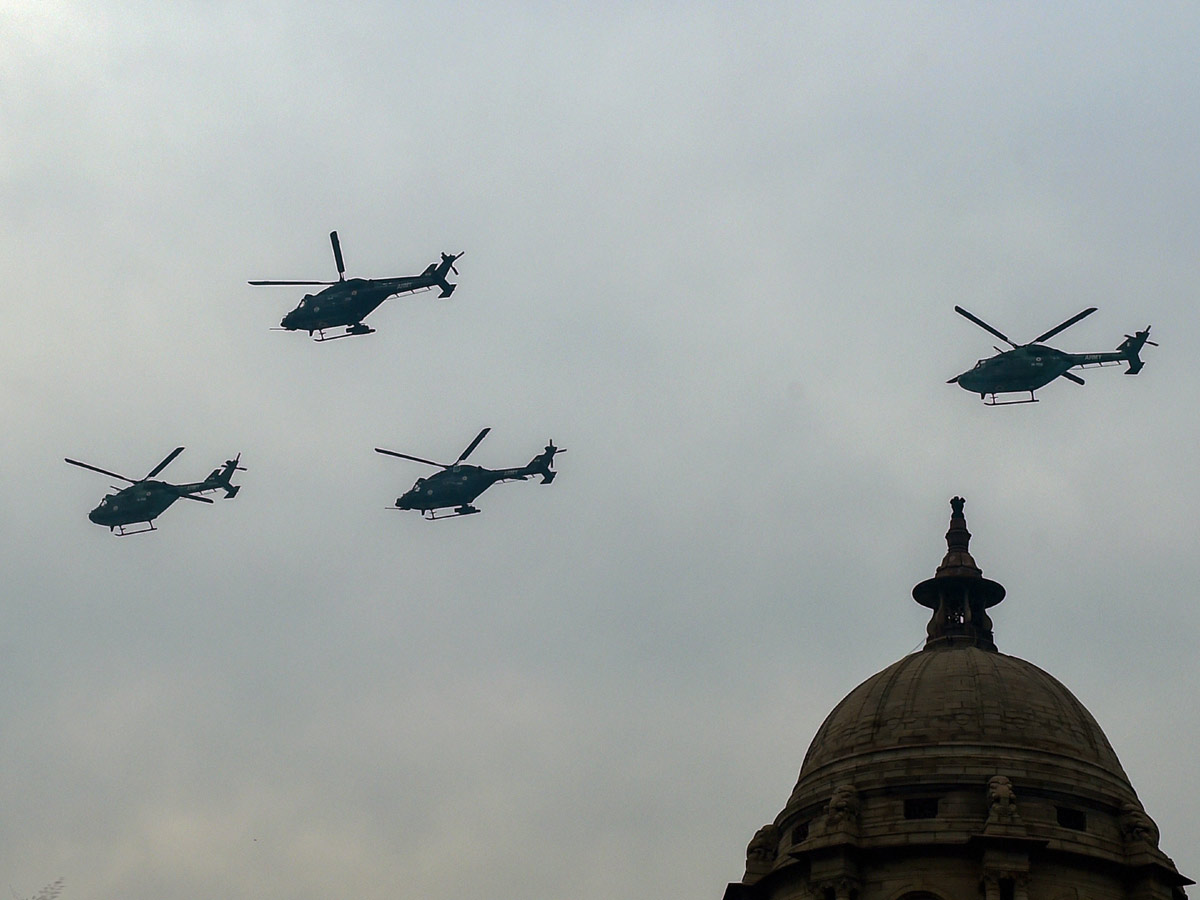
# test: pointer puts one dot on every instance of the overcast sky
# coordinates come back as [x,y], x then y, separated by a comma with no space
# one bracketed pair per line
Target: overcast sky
[714,252]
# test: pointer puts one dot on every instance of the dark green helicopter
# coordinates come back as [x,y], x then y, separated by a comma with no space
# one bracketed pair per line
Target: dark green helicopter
[1027,367]
[145,499]
[347,303]
[457,485]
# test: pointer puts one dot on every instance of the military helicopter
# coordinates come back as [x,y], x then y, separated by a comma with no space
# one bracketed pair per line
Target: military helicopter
[347,303]
[145,499]
[1027,367]
[457,485]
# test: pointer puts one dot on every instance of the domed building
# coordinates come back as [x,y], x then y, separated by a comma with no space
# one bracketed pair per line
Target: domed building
[960,773]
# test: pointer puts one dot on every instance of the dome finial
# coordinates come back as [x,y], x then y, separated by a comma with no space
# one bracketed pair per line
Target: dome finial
[958,593]
[957,538]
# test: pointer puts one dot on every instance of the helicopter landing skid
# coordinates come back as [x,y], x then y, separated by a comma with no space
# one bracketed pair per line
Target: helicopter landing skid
[995,402]
[124,531]
[350,332]
[465,510]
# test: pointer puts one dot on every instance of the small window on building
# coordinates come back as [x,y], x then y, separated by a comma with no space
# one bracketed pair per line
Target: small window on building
[800,833]
[1007,889]
[1074,819]
[921,808]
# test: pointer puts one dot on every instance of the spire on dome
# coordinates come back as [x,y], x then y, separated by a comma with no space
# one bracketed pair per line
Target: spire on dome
[958,593]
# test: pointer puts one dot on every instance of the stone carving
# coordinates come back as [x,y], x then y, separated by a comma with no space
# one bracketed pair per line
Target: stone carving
[956,507]
[841,888]
[993,880]
[843,808]
[1136,826]
[763,846]
[1002,802]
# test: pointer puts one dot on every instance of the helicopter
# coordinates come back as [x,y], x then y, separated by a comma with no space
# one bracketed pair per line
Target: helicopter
[457,485]
[1027,367]
[145,499]
[347,303]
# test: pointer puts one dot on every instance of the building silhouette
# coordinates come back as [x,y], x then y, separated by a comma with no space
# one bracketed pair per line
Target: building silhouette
[960,773]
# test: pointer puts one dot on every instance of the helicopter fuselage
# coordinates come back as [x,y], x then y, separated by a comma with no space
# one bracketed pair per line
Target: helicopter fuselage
[1028,368]
[1023,369]
[141,502]
[347,302]
[455,485]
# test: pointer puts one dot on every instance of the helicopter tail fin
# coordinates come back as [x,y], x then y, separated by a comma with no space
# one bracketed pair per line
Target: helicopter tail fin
[221,478]
[1132,346]
[543,463]
[439,273]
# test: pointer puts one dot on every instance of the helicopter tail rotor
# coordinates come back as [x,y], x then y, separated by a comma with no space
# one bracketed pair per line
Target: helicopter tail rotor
[1132,346]
[221,477]
[543,463]
[439,273]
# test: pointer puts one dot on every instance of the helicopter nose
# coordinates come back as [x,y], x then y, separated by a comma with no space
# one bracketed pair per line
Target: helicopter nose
[92,515]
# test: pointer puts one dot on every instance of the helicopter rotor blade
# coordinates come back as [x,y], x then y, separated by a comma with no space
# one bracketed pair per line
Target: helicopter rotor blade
[475,443]
[337,255]
[194,497]
[985,326]
[428,462]
[162,465]
[257,283]
[1070,376]
[84,465]
[1067,324]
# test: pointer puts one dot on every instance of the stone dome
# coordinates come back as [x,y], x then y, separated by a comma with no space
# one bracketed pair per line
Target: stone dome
[960,771]
[959,701]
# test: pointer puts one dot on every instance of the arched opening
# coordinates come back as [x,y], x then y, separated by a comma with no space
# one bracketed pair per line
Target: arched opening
[919,895]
